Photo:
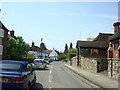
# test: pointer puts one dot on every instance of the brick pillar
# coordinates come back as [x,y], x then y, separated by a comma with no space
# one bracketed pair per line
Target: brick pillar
[109,51]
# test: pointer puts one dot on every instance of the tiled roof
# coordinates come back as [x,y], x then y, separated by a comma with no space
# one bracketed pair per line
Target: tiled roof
[2,26]
[92,44]
[115,36]
[47,51]
[103,37]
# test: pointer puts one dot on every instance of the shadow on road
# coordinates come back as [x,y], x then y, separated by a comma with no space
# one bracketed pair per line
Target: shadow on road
[37,86]
[47,69]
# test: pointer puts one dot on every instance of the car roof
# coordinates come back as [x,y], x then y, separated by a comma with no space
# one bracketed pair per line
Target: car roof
[22,63]
[14,61]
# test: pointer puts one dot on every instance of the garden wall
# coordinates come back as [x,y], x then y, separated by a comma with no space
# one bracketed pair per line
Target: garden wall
[114,68]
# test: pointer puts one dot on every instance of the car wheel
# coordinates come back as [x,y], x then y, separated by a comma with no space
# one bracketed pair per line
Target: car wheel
[34,81]
[28,87]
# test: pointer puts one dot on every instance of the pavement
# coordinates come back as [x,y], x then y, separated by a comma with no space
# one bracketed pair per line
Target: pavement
[98,79]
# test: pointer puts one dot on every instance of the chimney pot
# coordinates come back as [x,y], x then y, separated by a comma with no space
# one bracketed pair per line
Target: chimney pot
[116,26]
[12,33]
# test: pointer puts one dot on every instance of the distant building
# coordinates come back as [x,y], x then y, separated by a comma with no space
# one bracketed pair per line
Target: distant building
[37,52]
[114,45]
[53,55]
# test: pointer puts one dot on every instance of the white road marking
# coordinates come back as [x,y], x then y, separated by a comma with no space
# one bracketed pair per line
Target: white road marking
[51,66]
[50,71]
[49,78]
[49,88]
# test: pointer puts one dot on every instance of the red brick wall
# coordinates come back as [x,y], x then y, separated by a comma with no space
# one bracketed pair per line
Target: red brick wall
[109,54]
[116,54]
[4,42]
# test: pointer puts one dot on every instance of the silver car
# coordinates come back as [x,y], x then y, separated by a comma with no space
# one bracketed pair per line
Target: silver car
[39,63]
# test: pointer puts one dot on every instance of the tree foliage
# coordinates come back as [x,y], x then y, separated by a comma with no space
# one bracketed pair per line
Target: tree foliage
[17,48]
[71,46]
[66,47]
[43,46]
[72,53]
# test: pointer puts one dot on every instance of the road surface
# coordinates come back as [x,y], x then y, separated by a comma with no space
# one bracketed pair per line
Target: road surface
[57,76]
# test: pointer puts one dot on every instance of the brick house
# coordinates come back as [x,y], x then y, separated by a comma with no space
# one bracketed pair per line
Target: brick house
[4,40]
[1,37]
[4,36]
[114,45]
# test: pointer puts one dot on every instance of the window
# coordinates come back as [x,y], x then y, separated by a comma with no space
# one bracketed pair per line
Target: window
[116,44]
[1,33]
[9,66]
[29,67]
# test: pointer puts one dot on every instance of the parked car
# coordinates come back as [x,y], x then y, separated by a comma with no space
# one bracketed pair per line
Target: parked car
[50,60]
[47,60]
[16,75]
[39,64]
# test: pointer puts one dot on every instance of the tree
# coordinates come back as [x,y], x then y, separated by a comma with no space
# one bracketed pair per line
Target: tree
[71,46]
[72,53]
[43,46]
[66,49]
[17,48]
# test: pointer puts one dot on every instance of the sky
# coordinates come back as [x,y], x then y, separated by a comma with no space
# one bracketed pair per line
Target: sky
[58,23]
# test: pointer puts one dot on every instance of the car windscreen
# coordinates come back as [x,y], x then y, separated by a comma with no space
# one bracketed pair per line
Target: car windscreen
[38,61]
[10,66]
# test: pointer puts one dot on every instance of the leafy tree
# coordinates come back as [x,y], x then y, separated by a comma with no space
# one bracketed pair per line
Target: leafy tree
[17,48]
[72,53]
[43,46]
[61,57]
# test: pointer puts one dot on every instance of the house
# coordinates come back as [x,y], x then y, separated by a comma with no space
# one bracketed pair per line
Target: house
[4,40]
[46,53]
[37,52]
[96,48]
[53,55]
[1,37]
[114,44]
[34,50]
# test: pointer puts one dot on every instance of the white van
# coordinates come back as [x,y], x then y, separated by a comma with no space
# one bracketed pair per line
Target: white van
[39,63]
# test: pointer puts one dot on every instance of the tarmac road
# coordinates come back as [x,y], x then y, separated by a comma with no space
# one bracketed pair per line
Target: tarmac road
[57,76]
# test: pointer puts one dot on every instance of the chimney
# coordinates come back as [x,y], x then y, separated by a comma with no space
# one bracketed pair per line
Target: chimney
[12,33]
[116,26]
[33,44]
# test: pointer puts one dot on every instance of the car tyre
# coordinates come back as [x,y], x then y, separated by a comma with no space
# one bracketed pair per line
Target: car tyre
[28,87]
